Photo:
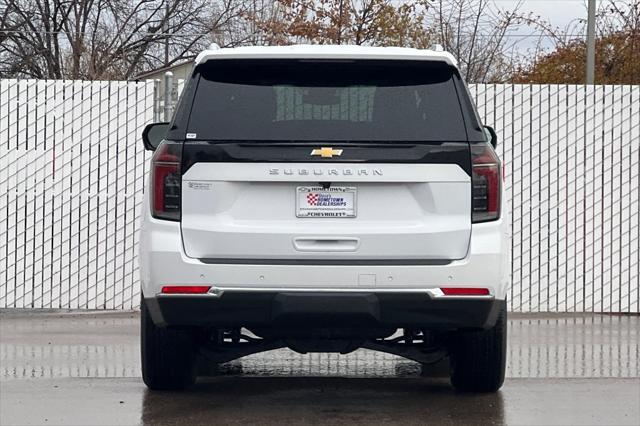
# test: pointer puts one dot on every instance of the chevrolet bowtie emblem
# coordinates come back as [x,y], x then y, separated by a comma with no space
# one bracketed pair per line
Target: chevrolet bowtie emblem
[327,152]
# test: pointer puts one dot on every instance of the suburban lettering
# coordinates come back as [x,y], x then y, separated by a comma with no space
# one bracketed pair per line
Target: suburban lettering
[330,172]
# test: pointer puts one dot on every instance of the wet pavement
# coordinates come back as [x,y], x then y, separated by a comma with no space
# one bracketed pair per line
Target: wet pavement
[61,368]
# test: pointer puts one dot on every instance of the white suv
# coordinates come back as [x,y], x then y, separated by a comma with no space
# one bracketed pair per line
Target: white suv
[324,199]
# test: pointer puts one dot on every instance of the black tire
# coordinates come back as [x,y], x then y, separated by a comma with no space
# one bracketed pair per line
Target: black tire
[169,359]
[478,358]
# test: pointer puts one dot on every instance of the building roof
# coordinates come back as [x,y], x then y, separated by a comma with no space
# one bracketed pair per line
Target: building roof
[151,73]
[325,52]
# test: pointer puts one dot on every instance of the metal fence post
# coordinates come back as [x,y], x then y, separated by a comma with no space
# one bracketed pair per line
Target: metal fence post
[157,105]
[168,99]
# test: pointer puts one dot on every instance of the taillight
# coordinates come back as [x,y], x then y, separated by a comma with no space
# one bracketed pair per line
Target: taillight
[166,181]
[185,289]
[486,183]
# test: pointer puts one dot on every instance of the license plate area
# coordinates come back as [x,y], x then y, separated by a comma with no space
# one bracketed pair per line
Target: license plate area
[332,202]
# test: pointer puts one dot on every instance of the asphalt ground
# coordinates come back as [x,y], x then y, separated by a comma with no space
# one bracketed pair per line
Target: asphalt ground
[84,368]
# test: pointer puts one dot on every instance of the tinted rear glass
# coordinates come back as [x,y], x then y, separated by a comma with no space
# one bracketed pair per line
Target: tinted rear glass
[295,100]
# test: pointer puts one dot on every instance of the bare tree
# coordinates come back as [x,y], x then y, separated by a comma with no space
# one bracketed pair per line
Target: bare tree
[368,22]
[117,39]
[476,33]
[99,39]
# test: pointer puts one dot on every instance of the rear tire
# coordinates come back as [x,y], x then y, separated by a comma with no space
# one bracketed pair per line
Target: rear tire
[168,355]
[478,358]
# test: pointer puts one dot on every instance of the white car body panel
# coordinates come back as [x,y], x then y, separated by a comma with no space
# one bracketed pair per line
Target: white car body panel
[164,262]
[247,211]
[326,52]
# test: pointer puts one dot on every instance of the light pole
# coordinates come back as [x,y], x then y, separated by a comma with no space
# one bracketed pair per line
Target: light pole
[591,42]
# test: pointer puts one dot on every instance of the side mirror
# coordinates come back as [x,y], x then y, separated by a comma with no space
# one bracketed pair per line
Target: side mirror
[153,134]
[491,135]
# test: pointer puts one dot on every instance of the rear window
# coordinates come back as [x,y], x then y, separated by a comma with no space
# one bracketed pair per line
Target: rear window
[297,100]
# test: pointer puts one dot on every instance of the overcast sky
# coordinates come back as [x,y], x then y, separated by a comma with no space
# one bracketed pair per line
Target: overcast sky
[560,13]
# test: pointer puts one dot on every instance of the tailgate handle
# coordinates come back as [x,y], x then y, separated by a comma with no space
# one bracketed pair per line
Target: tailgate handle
[326,244]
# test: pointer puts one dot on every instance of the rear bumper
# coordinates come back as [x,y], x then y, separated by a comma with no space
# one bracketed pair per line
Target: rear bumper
[339,310]
[163,262]
[387,293]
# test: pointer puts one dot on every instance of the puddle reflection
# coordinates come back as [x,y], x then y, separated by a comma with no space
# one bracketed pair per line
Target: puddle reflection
[284,400]
[539,347]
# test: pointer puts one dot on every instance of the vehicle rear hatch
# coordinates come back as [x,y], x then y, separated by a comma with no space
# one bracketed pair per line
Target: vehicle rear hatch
[325,160]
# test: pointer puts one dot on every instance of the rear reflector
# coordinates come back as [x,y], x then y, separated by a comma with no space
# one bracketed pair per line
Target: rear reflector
[185,289]
[465,291]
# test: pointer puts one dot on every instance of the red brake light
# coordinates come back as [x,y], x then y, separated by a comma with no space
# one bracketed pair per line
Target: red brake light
[486,183]
[465,291]
[166,181]
[185,289]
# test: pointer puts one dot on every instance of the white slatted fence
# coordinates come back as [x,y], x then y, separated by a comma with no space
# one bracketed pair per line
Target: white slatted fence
[72,168]
[71,182]
[572,159]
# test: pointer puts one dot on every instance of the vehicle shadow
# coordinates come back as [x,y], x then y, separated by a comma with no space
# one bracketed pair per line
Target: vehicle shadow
[321,400]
